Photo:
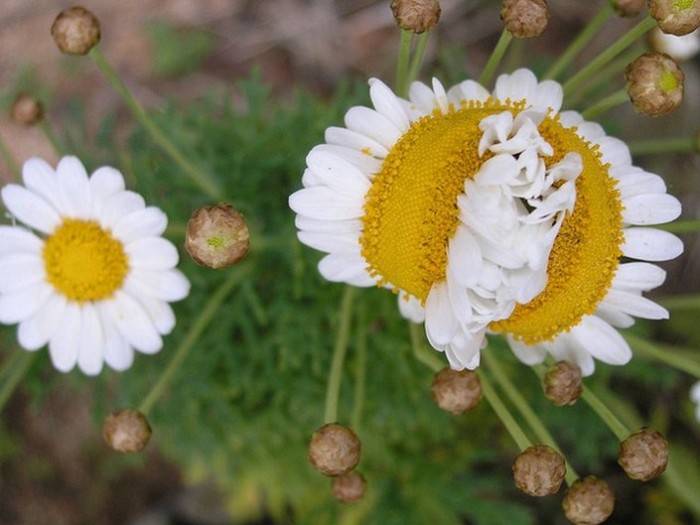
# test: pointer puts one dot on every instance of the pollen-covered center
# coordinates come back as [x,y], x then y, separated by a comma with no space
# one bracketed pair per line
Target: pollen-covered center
[586,252]
[411,210]
[83,261]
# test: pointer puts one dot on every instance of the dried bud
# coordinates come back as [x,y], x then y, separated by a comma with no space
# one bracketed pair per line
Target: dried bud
[588,501]
[27,110]
[217,236]
[644,455]
[525,18]
[679,48]
[628,8]
[334,450]
[349,487]
[456,391]
[416,15]
[677,17]
[76,31]
[562,383]
[539,471]
[654,84]
[126,430]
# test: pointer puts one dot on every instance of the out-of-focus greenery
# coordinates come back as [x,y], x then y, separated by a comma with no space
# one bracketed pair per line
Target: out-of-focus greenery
[243,406]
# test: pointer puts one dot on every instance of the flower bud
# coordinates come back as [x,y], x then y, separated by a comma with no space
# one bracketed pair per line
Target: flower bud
[627,8]
[562,383]
[644,455]
[539,471]
[525,18]
[654,84]
[676,17]
[217,236]
[456,391]
[27,110]
[334,450]
[76,31]
[417,16]
[679,48]
[588,501]
[349,487]
[126,430]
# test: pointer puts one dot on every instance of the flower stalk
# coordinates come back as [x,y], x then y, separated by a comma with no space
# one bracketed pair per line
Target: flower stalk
[496,56]
[330,414]
[499,407]
[13,370]
[605,104]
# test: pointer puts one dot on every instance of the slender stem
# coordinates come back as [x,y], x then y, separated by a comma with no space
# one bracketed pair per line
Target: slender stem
[361,365]
[496,57]
[200,324]
[609,54]
[51,137]
[687,226]
[341,345]
[512,426]
[9,160]
[609,418]
[605,104]
[423,354]
[580,41]
[418,57]
[13,371]
[525,409]
[666,145]
[666,355]
[402,63]
[201,179]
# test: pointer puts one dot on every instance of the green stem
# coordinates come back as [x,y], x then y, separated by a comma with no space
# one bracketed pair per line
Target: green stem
[687,226]
[605,104]
[200,324]
[361,365]
[609,54]
[580,41]
[609,418]
[201,179]
[666,145]
[341,345]
[420,351]
[418,57]
[496,56]
[666,355]
[402,63]
[525,409]
[51,137]
[9,160]
[512,426]
[13,371]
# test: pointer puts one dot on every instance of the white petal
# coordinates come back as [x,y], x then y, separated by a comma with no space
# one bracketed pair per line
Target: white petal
[422,96]
[528,354]
[345,243]
[160,313]
[614,151]
[366,163]
[638,276]
[373,125]
[40,178]
[464,256]
[634,304]
[15,240]
[440,95]
[91,341]
[314,225]
[133,322]
[64,344]
[343,268]
[105,182]
[118,354]
[337,174]
[325,204]
[570,118]
[20,271]
[119,205]
[36,331]
[385,102]
[73,183]
[548,95]
[22,304]
[440,323]
[650,209]
[519,85]
[357,141]
[651,244]
[613,316]
[411,308]
[602,341]
[471,90]
[149,222]
[30,209]
[170,285]
[153,253]
[635,181]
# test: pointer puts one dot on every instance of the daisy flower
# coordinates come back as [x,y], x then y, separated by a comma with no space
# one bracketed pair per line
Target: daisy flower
[89,273]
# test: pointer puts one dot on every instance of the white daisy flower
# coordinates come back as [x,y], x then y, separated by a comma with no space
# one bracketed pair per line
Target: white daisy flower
[677,47]
[453,199]
[89,273]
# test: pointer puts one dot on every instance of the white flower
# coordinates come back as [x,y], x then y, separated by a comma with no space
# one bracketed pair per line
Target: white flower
[452,199]
[695,398]
[89,272]
[677,47]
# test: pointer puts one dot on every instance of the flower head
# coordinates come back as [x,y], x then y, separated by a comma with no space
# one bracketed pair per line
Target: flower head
[89,272]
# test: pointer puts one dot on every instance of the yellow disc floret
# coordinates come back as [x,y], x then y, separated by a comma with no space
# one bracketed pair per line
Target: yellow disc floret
[411,209]
[83,261]
[586,252]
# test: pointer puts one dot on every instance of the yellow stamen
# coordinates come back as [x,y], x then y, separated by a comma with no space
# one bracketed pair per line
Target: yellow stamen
[83,261]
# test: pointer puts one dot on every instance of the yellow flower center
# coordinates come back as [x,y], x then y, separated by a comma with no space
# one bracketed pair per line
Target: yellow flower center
[682,5]
[411,210]
[83,261]
[585,254]
[668,82]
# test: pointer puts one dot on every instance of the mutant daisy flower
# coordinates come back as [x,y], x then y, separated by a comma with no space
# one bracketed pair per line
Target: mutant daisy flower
[89,273]
[489,211]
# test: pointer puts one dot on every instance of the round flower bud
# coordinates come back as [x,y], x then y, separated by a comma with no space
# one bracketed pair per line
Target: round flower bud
[679,48]
[126,430]
[217,236]
[644,455]
[676,17]
[525,18]
[349,487]
[562,383]
[456,391]
[416,15]
[654,84]
[628,7]
[588,501]
[539,471]
[76,31]
[334,450]
[27,110]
